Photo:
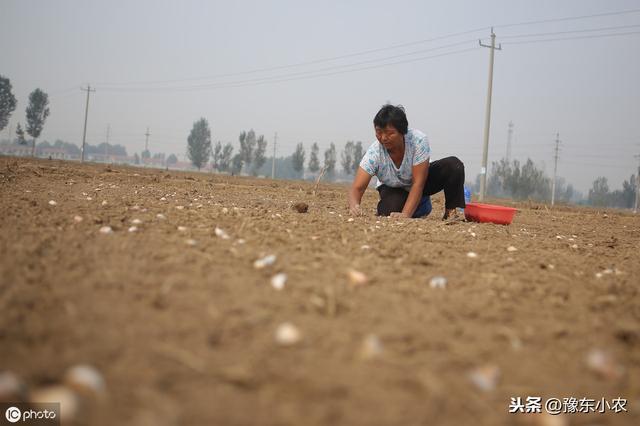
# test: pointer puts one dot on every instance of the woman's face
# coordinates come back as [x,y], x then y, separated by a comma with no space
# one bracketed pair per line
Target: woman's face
[389,137]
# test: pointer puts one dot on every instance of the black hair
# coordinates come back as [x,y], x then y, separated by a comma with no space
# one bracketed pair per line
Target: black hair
[394,115]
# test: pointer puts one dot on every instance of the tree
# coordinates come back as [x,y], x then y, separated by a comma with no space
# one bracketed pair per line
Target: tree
[20,135]
[346,159]
[330,160]
[136,158]
[628,192]
[199,143]
[146,154]
[510,179]
[247,145]
[298,158]
[172,160]
[532,183]
[225,158]
[69,148]
[159,156]
[599,193]
[236,164]
[358,153]
[215,156]
[314,163]
[259,157]
[37,113]
[7,101]
[500,173]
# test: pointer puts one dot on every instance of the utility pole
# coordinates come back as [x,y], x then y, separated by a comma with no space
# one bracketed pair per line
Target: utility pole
[487,121]
[106,145]
[146,141]
[636,205]
[86,114]
[509,136]
[273,160]
[146,147]
[555,170]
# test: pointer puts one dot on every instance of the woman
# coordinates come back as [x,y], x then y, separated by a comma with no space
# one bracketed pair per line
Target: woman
[406,179]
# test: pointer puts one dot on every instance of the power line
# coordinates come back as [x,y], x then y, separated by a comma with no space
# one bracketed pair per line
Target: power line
[304,63]
[570,18]
[369,51]
[221,86]
[572,38]
[301,75]
[589,30]
[310,73]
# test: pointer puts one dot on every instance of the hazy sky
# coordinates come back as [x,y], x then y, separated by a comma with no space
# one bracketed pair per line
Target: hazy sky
[166,64]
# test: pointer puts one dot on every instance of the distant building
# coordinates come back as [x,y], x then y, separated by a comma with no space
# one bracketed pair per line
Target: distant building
[108,158]
[15,150]
[53,153]
[152,162]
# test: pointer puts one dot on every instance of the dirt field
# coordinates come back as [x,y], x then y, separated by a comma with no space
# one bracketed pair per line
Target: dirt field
[182,325]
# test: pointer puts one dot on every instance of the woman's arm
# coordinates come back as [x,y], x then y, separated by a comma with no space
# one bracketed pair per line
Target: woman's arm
[419,178]
[358,187]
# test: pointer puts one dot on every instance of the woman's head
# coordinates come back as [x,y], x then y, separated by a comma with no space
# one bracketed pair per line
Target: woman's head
[391,125]
[392,115]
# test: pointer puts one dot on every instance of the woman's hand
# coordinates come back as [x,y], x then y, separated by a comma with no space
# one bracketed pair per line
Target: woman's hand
[356,192]
[355,210]
[398,215]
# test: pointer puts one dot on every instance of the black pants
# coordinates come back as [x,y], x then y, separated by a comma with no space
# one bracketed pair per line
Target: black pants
[445,174]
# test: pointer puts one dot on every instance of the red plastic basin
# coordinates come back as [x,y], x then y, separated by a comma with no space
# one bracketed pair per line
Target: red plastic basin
[479,212]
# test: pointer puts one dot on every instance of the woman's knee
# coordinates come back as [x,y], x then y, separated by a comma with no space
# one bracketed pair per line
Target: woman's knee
[455,163]
[389,204]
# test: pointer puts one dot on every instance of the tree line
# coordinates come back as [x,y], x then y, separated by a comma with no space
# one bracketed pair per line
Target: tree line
[37,112]
[251,155]
[527,181]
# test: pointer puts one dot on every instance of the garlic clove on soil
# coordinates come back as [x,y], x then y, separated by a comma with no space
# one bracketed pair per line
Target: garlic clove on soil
[220,233]
[265,261]
[438,282]
[485,377]
[371,347]
[11,387]
[106,230]
[68,400]
[603,364]
[357,278]
[287,334]
[278,281]
[86,380]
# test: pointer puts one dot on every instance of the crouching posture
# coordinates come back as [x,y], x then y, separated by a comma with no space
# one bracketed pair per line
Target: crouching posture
[406,179]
